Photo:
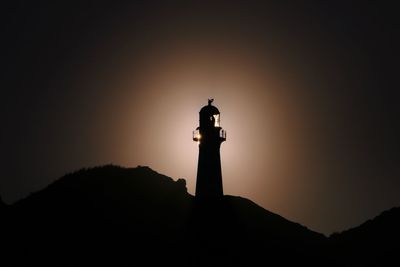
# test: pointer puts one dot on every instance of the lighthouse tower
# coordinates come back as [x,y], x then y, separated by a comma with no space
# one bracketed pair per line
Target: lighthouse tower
[209,135]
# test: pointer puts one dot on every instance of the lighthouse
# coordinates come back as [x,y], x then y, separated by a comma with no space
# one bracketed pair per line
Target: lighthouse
[209,136]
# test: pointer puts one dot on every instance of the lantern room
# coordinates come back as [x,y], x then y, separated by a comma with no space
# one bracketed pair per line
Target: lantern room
[209,124]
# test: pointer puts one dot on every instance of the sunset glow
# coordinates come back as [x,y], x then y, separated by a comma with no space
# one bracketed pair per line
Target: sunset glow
[308,94]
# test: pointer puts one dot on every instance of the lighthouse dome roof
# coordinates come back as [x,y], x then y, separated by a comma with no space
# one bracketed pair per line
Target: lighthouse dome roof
[209,109]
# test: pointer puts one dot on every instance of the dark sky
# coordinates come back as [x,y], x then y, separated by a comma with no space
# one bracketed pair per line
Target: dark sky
[308,93]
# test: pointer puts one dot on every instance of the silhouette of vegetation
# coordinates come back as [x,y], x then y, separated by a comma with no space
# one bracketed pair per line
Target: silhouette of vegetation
[113,216]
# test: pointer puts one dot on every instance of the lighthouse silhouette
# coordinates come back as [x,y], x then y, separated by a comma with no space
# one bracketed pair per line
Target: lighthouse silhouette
[209,136]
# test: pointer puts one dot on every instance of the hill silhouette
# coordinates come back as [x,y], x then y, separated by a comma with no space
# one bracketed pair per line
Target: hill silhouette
[2,204]
[373,243]
[113,216]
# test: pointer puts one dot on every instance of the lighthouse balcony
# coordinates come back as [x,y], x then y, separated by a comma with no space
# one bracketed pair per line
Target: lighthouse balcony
[222,135]
[196,135]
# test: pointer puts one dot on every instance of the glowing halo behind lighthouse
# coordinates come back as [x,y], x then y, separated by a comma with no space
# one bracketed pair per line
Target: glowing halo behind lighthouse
[209,135]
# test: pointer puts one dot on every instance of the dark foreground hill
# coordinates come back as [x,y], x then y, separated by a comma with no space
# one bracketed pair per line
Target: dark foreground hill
[113,216]
[373,243]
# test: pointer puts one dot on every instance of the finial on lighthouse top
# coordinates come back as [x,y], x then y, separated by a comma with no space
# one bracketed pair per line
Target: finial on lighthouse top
[209,109]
